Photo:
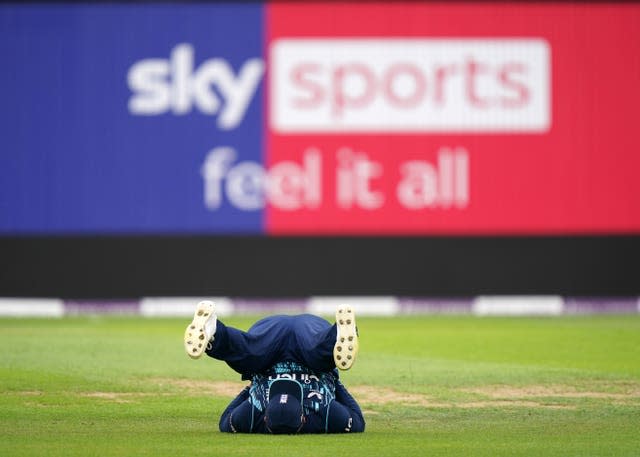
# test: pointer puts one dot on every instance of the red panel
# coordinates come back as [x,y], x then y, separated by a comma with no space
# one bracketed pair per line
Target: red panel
[578,176]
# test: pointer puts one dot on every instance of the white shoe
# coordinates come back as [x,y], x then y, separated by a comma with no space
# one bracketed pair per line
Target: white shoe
[201,330]
[346,348]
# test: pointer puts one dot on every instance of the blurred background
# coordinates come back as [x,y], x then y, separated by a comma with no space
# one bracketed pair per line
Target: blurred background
[413,157]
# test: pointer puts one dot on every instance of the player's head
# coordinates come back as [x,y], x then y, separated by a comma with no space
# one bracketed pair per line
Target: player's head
[284,413]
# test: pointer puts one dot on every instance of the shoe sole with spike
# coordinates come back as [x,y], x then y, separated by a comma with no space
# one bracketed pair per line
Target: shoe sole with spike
[195,335]
[345,350]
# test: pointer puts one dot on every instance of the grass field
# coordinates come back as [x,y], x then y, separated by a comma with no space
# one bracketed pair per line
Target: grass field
[432,386]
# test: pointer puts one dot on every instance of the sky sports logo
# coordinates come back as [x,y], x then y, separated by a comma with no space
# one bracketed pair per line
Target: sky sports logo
[361,85]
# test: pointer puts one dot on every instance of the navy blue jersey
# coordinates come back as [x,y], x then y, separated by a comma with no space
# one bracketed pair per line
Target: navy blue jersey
[327,406]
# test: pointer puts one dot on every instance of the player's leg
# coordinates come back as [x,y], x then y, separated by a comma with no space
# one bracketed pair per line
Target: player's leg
[253,351]
[322,346]
[311,343]
[246,352]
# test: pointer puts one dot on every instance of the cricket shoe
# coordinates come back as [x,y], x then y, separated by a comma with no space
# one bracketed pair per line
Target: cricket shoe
[346,347]
[201,330]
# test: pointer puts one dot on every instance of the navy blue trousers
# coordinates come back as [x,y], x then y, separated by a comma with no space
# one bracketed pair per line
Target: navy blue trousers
[305,338]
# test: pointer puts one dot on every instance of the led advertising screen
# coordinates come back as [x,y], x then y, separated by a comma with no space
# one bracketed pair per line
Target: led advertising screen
[310,118]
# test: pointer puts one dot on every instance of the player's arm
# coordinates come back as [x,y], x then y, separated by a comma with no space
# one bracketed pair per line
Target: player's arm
[238,416]
[344,413]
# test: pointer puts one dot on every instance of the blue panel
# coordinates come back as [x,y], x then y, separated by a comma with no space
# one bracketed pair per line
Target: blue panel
[76,156]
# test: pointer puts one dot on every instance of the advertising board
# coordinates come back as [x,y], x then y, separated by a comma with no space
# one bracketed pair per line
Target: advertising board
[292,118]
